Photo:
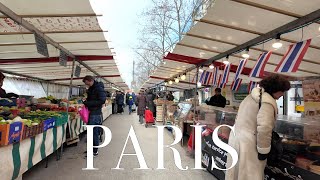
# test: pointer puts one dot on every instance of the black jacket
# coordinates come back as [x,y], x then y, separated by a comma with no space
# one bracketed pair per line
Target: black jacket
[96,98]
[120,99]
[217,100]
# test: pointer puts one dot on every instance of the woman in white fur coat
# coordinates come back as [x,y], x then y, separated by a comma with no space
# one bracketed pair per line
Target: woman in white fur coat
[253,129]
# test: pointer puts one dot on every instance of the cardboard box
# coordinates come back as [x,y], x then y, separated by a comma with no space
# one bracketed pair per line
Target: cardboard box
[32,131]
[11,133]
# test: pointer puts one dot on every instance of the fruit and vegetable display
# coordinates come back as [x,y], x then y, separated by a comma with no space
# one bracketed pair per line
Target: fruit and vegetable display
[36,118]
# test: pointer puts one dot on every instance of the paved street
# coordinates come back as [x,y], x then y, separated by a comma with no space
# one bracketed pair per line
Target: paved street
[72,162]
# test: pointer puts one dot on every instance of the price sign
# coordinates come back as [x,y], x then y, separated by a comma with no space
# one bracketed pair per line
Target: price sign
[63,58]
[41,44]
[77,71]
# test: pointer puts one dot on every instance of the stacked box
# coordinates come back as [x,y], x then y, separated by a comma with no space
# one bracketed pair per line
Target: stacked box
[32,131]
[11,133]
[159,113]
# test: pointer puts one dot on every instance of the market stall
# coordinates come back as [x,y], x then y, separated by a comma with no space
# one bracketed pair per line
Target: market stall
[17,158]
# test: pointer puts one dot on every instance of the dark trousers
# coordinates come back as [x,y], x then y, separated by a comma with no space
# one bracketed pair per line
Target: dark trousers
[130,109]
[95,120]
[120,108]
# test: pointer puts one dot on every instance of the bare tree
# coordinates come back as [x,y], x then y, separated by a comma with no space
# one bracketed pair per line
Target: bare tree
[163,25]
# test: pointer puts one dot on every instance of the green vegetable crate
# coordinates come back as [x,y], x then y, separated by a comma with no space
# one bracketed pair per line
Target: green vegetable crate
[32,131]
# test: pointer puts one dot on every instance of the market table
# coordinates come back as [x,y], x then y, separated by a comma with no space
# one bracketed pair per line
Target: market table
[15,159]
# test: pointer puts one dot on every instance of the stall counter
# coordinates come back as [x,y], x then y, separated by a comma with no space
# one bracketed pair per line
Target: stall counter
[16,159]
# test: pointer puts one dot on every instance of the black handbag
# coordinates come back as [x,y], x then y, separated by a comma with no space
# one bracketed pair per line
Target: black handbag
[276,152]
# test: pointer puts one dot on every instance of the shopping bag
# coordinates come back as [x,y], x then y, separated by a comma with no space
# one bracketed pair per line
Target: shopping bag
[84,114]
[133,107]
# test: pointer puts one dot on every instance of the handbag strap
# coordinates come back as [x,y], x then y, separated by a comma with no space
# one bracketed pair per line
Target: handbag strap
[260,99]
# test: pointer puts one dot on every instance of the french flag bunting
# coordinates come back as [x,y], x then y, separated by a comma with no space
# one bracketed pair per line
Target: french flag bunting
[252,85]
[215,78]
[240,68]
[226,73]
[258,69]
[236,84]
[293,57]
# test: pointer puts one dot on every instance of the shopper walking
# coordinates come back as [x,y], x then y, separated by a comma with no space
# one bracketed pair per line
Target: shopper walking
[141,103]
[253,129]
[150,102]
[120,102]
[130,102]
[94,102]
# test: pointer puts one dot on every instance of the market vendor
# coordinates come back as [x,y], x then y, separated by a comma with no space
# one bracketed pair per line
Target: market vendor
[3,93]
[217,100]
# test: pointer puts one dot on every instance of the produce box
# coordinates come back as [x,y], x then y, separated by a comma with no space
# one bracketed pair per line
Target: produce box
[11,133]
[48,124]
[32,131]
[62,119]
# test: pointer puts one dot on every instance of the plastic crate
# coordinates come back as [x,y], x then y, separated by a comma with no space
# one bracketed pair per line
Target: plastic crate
[48,124]
[32,131]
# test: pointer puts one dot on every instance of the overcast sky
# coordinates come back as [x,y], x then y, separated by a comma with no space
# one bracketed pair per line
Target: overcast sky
[120,19]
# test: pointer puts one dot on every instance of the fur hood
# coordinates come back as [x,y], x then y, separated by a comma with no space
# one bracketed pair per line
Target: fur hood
[266,98]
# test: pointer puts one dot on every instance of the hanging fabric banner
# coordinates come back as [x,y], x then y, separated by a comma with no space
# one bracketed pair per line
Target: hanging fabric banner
[240,68]
[258,69]
[215,79]
[252,85]
[293,57]
[225,76]
[236,84]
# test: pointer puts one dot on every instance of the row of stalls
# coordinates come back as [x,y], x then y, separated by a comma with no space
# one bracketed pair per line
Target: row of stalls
[232,47]
[46,49]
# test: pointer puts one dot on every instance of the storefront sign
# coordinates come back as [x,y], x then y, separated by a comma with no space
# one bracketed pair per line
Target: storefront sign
[311,95]
[239,96]
[296,98]
[210,149]
[41,44]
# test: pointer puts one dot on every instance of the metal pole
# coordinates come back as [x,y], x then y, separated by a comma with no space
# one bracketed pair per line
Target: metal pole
[164,106]
[69,96]
[195,105]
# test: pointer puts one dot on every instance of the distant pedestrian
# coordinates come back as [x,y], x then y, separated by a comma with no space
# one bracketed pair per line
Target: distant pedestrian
[141,103]
[120,102]
[150,102]
[130,102]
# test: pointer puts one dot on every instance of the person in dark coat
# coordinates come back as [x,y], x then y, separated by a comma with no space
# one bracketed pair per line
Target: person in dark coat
[150,102]
[120,101]
[141,103]
[94,102]
[170,97]
[3,93]
[217,100]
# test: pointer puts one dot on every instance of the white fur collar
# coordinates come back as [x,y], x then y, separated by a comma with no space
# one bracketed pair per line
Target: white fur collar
[266,98]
